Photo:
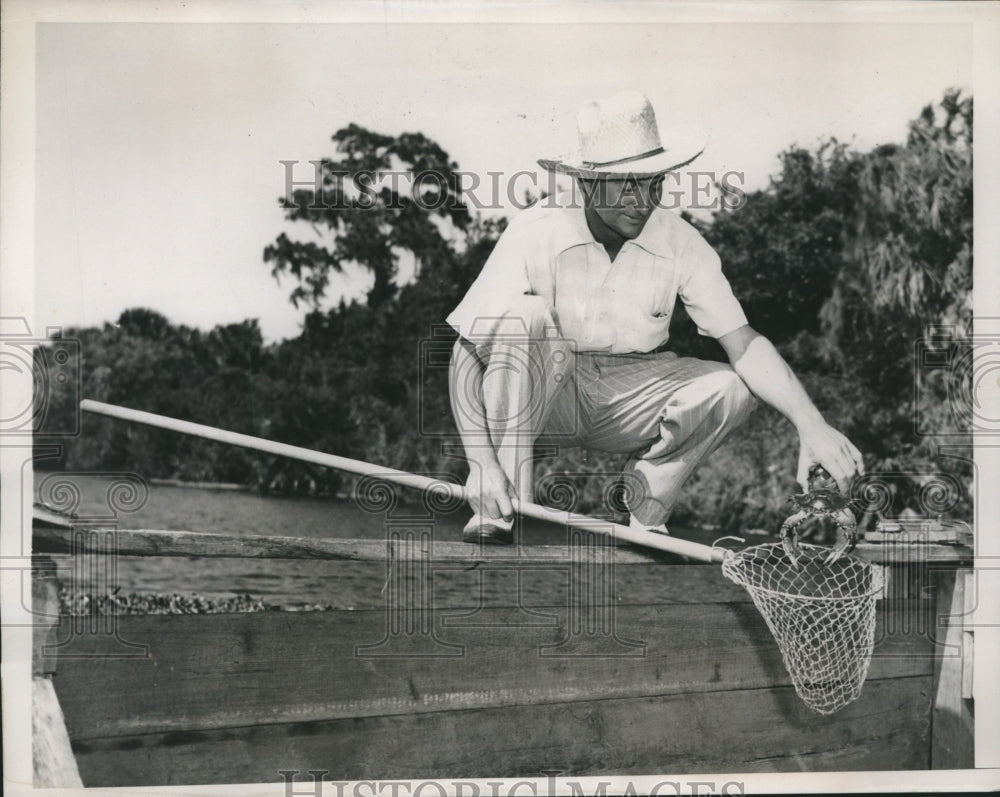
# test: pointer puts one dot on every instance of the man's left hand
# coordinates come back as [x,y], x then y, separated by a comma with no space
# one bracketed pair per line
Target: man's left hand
[821,443]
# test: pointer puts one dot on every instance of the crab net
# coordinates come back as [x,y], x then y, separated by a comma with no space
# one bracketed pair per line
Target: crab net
[821,616]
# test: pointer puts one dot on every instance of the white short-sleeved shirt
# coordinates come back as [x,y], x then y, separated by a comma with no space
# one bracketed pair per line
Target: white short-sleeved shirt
[619,307]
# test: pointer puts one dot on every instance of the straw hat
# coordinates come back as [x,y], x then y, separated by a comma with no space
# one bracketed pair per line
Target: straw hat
[619,136]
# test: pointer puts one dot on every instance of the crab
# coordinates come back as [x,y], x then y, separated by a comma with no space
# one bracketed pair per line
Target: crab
[822,500]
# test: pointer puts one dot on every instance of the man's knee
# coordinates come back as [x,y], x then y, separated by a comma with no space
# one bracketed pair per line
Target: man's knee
[731,392]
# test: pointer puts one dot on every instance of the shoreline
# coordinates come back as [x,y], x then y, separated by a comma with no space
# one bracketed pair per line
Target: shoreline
[229,486]
[232,487]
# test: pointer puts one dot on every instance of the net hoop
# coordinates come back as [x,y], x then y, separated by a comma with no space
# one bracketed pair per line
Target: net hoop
[734,558]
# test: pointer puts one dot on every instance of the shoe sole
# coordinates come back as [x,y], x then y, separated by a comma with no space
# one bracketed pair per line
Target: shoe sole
[492,536]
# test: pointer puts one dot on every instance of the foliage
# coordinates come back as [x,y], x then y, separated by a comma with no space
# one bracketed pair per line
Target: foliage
[889,233]
[844,261]
[145,362]
[370,222]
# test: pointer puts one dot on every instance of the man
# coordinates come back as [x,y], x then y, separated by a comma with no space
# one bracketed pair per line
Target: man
[561,338]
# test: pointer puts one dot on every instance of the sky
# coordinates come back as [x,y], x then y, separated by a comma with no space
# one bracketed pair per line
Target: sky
[158,146]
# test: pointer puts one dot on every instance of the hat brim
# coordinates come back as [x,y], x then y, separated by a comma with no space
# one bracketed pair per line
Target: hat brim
[653,166]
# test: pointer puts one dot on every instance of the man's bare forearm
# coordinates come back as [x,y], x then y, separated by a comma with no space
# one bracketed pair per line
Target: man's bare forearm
[772,380]
[768,376]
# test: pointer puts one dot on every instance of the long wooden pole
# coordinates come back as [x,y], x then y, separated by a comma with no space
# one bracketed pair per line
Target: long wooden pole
[695,550]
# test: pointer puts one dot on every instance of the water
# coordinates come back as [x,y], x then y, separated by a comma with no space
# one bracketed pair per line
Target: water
[306,584]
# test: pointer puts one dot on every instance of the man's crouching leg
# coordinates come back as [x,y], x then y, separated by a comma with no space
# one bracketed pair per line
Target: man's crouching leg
[694,421]
[527,365]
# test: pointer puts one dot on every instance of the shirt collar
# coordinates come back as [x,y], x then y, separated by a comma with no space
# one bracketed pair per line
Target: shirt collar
[574,231]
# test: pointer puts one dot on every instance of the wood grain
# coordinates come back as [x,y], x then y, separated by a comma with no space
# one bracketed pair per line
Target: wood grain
[217,671]
[161,542]
[157,542]
[952,722]
[902,553]
[747,730]
[45,610]
[53,764]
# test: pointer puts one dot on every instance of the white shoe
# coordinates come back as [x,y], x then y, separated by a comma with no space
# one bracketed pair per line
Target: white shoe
[635,525]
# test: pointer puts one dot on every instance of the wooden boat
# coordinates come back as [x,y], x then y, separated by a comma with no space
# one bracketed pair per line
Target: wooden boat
[592,684]
[586,682]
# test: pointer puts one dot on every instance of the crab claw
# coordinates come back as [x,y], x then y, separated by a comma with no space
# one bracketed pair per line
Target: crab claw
[790,537]
[847,536]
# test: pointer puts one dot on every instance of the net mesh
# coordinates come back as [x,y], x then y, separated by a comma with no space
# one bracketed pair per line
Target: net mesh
[822,617]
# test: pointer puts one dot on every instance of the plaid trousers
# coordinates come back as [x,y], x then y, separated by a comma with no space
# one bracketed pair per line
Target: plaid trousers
[668,412]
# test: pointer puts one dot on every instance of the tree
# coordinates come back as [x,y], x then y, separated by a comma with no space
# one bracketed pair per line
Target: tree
[909,273]
[361,218]
[911,251]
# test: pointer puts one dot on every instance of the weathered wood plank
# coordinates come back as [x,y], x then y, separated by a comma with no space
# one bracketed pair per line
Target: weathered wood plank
[922,530]
[756,730]
[155,542]
[45,610]
[899,553]
[952,724]
[215,671]
[161,542]
[53,763]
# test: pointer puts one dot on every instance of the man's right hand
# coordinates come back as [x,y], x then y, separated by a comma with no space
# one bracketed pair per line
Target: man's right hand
[489,491]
